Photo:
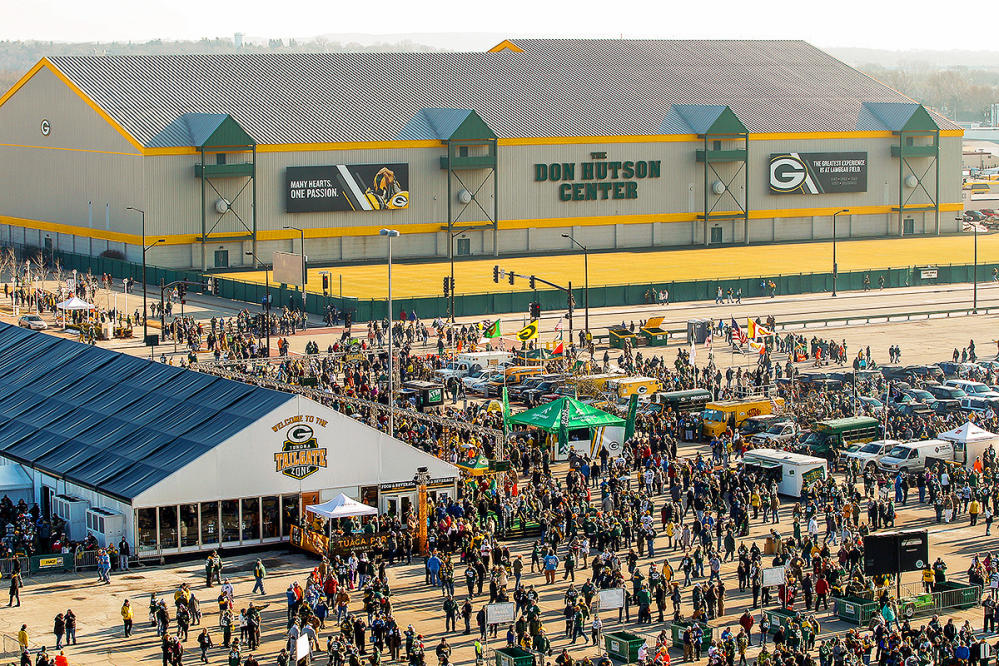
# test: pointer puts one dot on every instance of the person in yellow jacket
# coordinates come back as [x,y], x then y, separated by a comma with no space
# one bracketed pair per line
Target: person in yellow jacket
[974,508]
[928,578]
[126,617]
[22,637]
[667,572]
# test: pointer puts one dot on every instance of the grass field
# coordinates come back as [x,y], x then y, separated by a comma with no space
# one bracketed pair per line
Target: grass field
[476,275]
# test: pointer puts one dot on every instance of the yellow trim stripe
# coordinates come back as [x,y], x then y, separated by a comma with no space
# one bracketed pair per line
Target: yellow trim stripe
[73,150]
[505,45]
[435,227]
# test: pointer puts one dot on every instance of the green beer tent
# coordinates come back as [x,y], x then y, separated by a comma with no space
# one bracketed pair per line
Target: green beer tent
[563,415]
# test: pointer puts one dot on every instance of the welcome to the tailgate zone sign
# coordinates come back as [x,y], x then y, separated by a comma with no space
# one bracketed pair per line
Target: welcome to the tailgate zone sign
[818,173]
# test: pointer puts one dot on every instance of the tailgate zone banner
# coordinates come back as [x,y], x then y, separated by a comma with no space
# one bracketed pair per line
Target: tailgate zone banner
[818,173]
[346,187]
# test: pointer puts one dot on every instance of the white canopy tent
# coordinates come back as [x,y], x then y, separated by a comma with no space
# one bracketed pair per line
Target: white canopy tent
[341,506]
[968,432]
[72,303]
[15,483]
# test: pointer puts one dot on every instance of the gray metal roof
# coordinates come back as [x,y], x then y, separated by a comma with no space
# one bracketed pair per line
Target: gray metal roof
[554,88]
[114,423]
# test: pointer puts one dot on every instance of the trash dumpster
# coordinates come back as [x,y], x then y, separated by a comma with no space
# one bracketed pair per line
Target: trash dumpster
[853,609]
[779,617]
[513,656]
[677,629]
[617,336]
[622,645]
[654,334]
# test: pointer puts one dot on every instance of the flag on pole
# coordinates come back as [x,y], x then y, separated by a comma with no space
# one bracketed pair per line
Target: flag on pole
[529,332]
[738,333]
[559,348]
[493,331]
[506,409]
[629,425]
[707,341]
[693,353]
[558,325]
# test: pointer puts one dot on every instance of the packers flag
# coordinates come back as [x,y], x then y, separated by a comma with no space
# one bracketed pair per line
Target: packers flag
[493,331]
[529,332]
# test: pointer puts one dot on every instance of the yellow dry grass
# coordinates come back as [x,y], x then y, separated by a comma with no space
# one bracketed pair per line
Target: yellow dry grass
[476,275]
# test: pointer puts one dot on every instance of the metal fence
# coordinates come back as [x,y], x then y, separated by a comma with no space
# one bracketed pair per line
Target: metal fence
[636,293]
[10,650]
[85,559]
[8,565]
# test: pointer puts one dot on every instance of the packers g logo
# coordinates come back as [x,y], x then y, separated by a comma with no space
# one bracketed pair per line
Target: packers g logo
[300,455]
[787,173]
[528,332]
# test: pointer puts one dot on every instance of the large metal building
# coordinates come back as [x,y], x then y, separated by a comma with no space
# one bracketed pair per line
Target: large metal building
[619,143]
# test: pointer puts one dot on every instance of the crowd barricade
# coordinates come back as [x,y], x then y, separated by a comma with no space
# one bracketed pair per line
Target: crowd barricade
[85,559]
[7,565]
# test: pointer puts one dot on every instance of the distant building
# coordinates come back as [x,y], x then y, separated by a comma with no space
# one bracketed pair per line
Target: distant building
[619,143]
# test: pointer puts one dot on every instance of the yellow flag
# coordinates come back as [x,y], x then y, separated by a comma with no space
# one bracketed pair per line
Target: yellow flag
[529,332]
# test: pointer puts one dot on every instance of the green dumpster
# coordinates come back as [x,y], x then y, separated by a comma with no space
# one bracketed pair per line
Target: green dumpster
[513,656]
[956,595]
[779,617]
[654,334]
[617,336]
[677,629]
[623,645]
[853,609]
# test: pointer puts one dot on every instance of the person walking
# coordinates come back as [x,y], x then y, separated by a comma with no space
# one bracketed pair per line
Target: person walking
[59,629]
[22,637]
[123,552]
[126,617]
[15,589]
[205,642]
[259,573]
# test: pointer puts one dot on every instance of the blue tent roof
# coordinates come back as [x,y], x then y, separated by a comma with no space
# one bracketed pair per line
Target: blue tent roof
[114,423]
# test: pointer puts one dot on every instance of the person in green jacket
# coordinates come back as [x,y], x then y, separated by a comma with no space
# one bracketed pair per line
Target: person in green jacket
[541,643]
[259,573]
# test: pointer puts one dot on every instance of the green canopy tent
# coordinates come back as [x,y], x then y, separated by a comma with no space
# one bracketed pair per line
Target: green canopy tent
[561,416]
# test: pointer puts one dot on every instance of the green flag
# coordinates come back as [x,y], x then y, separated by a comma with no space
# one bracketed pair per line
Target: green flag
[493,331]
[563,431]
[506,410]
[629,426]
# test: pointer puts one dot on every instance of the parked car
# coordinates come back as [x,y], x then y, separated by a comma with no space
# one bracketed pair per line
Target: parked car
[942,392]
[945,406]
[872,405]
[32,321]
[868,454]
[777,433]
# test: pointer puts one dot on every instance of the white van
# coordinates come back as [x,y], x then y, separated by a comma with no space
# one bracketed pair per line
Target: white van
[911,456]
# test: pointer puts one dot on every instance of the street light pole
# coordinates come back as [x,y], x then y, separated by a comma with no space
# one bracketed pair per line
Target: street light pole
[586,282]
[390,234]
[145,328]
[835,265]
[267,300]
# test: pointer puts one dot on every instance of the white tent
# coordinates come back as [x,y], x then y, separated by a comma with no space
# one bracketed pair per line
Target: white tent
[968,432]
[341,506]
[15,483]
[74,303]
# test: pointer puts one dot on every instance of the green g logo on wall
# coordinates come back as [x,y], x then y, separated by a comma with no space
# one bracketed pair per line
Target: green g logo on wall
[300,454]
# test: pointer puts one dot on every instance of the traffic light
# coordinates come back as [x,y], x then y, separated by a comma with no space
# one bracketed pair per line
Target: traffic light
[182,292]
[447,285]
[496,274]
[532,282]
[535,310]
[511,274]
[452,285]
[326,283]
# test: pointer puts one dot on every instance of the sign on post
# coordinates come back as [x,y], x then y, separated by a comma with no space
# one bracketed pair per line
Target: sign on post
[774,576]
[611,599]
[501,613]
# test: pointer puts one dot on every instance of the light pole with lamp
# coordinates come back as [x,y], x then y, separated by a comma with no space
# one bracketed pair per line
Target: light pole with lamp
[450,249]
[586,282]
[974,306]
[267,300]
[145,327]
[835,265]
[390,234]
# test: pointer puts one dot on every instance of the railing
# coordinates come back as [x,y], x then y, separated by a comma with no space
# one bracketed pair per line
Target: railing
[635,293]
[85,559]
[8,566]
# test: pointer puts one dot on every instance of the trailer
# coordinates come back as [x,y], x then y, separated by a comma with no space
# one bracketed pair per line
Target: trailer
[793,472]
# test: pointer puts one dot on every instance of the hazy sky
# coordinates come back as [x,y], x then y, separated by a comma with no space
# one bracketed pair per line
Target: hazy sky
[828,24]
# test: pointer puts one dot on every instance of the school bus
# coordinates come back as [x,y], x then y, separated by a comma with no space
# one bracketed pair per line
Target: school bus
[731,413]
